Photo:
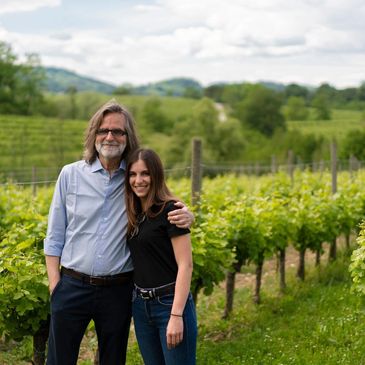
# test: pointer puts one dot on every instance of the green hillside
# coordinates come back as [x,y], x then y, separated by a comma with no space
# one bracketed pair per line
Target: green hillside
[171,87]
[49,143]
[341,123]
[60,80]
[44,143]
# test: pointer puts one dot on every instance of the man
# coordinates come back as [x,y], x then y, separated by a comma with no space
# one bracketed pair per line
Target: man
[86,236]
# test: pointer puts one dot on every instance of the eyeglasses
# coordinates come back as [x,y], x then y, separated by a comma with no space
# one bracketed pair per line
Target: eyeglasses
[115,132]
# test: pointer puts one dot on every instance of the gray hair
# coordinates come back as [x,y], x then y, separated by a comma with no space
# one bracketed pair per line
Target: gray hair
[90,153]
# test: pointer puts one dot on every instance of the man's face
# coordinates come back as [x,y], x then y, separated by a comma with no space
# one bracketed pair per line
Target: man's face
[110,139]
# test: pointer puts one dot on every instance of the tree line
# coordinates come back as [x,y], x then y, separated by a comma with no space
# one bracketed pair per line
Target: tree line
[238,123]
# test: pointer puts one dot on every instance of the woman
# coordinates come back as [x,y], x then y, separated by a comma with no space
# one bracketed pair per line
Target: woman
[163,310]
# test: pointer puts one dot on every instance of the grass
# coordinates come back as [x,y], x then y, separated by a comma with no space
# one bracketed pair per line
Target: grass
[341,123]
[315,322]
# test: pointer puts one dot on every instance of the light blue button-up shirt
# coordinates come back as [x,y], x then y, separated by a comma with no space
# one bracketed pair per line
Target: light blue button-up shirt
[87,222]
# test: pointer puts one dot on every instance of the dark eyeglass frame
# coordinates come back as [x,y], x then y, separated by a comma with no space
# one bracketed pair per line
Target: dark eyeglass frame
[115,132]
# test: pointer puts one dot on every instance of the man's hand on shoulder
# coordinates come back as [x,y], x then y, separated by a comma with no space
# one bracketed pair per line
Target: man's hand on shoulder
[181,217]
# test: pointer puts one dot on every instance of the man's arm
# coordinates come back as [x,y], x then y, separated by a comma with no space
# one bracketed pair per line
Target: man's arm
[56,231]
[181,217]
[53,271]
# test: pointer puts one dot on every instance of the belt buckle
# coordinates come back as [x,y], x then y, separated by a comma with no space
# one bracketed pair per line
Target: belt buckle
[146,294]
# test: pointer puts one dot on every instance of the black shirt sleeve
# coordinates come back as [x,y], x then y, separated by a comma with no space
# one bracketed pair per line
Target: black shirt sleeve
[172,229]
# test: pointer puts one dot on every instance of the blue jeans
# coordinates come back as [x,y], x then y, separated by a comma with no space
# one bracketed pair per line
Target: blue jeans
[150,321]
[73,305]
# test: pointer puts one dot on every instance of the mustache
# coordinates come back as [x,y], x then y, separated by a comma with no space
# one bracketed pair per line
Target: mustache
[111,144]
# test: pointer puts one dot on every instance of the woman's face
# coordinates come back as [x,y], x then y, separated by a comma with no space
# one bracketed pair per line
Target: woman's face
[140,179]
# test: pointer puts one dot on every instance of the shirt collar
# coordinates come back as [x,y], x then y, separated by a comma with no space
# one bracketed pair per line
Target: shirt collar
[97,166]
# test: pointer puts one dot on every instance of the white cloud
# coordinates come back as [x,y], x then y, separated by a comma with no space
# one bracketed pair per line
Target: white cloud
[331,40]
[14,6]
[209,40]
[146,8]
[276,27]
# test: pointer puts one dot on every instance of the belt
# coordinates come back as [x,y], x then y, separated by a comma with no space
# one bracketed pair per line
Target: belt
[110,280]
[152,293]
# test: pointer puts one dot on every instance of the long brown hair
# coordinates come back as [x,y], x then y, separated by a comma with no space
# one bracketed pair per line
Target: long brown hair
[158,195]
[90,153]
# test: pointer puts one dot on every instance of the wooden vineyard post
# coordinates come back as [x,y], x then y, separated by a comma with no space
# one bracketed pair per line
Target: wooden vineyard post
[196,182]
[34,181]
[196,171]
[333,248]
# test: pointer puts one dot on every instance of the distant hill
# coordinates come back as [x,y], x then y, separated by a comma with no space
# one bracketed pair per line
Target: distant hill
[60,80]
[171,87]
[276,86]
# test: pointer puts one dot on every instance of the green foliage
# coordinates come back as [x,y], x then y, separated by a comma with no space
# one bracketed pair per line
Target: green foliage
[307,147]
[193,93]
[44,142]
[314,214]
[296,91]
[201,123]
[276,213]
[8,71]
[125,89]
[210,252]
[20,83]
[230,142]
[260,110]
[354,145]
[234,94]
[314,323]
[238,221]
[341,123]
[154,119]
[321,105]
[357,266]
[215,92]
[24,297]
[296,109]
[40,142]
[361,92]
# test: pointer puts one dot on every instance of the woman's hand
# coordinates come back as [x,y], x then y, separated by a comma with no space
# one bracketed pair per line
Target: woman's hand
[174,331]
[181,217]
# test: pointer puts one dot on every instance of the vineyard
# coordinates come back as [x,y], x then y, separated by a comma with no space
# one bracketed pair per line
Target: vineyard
[241,221]
[35,148]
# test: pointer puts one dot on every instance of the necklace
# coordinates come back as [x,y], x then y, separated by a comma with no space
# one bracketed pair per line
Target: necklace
[141,217]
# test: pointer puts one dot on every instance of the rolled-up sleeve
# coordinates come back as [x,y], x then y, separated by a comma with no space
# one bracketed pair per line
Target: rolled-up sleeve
[57,218]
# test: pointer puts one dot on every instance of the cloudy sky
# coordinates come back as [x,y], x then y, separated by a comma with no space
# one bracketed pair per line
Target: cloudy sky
[141,41]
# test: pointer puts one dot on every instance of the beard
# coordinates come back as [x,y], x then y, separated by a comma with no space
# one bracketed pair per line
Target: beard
[110,150]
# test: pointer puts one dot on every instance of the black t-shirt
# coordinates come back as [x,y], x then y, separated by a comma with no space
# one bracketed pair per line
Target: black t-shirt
[151,250]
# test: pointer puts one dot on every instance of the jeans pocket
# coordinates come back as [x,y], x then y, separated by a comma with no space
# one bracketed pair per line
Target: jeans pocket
[55,289]
[134,295]
[166,300]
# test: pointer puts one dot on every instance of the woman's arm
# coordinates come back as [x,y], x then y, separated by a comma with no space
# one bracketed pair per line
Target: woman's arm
[183,256]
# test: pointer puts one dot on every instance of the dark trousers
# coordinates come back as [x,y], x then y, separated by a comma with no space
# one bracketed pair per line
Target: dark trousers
[73,305]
